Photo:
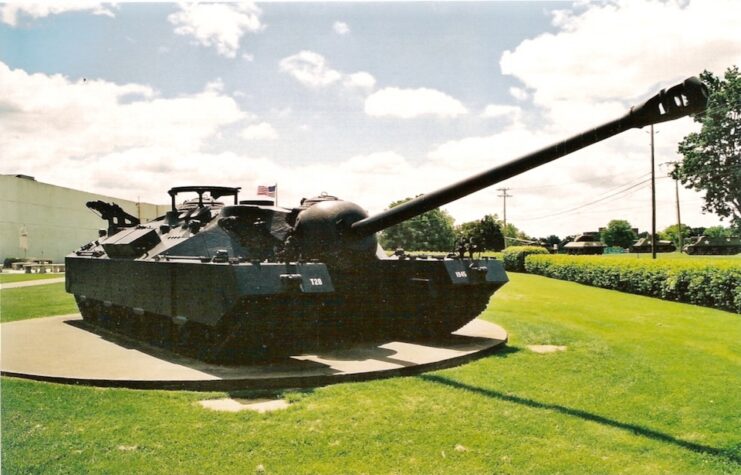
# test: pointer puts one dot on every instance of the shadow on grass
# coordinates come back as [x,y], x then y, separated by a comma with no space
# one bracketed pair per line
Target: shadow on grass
[504,351]
[635,429]
[268,393]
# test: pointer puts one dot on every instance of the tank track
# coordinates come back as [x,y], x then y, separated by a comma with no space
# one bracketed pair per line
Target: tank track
[713,250]
[299,324]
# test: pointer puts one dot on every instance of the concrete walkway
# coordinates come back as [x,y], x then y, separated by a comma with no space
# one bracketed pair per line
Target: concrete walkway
[64,349]
[29,283]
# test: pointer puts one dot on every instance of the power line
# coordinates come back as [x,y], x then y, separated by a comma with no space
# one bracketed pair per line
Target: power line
[590,203]
[599,200]
[599,180]
[629,208]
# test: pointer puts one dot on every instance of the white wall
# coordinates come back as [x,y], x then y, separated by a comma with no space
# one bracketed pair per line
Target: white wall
[55,218]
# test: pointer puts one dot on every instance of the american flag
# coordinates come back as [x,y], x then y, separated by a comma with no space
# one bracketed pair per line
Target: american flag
[267,190]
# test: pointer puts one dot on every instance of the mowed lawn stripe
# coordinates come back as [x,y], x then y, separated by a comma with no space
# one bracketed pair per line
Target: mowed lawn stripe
[35,301]
[12,278]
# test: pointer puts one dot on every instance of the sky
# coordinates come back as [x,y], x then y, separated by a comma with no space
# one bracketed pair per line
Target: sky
[372,102]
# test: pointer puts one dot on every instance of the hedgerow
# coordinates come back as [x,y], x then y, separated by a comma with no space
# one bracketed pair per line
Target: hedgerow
[514,256]
[714,284]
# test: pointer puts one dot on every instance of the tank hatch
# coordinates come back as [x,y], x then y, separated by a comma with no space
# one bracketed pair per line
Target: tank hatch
[308,202]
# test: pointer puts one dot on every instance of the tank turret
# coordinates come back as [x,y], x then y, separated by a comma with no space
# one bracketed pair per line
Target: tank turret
[225,281]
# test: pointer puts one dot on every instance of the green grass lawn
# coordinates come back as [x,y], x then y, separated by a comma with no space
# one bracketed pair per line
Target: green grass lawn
[10,278]
[35,301]
[645,386]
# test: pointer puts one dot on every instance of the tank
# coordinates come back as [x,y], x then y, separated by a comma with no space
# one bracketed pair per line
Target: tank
[722,246]
[643,245]
[226,281]
[585,243]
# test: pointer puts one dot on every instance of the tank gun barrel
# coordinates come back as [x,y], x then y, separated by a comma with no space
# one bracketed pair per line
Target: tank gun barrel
[688,97]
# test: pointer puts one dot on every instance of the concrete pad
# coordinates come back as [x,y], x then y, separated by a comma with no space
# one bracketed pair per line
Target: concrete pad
[237,405]
[545,348]
[31,283]
[64,349]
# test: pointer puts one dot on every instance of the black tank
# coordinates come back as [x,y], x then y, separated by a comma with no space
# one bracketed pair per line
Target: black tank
[225,281]
[643,245]
[585,244]
[719,246]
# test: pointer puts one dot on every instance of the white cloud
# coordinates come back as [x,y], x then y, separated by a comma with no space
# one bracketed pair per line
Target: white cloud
[249,57]
[217,24]
[481,152]
[312,70]
[622,49]
[10,13]
[360,79]
[48,117]
[497,111]
[518,93]
[261,131]
[381,163]
[341,28]
[409,103]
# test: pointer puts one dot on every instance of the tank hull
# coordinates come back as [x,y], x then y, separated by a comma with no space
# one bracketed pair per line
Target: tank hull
[647,248]
[712,250]
[724,246]
[231,312]
[584,250]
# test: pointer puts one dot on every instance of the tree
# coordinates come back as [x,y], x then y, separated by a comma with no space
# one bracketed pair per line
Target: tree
[718,232]
[618,233]
[485,233]
[672,234]
[515,237]
[431,231]
[551,240]
[712,158]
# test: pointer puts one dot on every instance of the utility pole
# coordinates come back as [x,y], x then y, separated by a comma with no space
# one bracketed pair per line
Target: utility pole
[653,198]
[504,195]
[679,219]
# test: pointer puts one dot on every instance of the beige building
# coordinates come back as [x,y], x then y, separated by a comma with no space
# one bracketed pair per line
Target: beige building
[39,220]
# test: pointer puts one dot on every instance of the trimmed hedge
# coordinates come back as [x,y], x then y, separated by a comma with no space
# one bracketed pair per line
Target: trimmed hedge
[514,257]
[714,284]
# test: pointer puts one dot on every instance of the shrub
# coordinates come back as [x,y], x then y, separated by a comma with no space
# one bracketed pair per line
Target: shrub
[8,261]
[712,284]
[514,257]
